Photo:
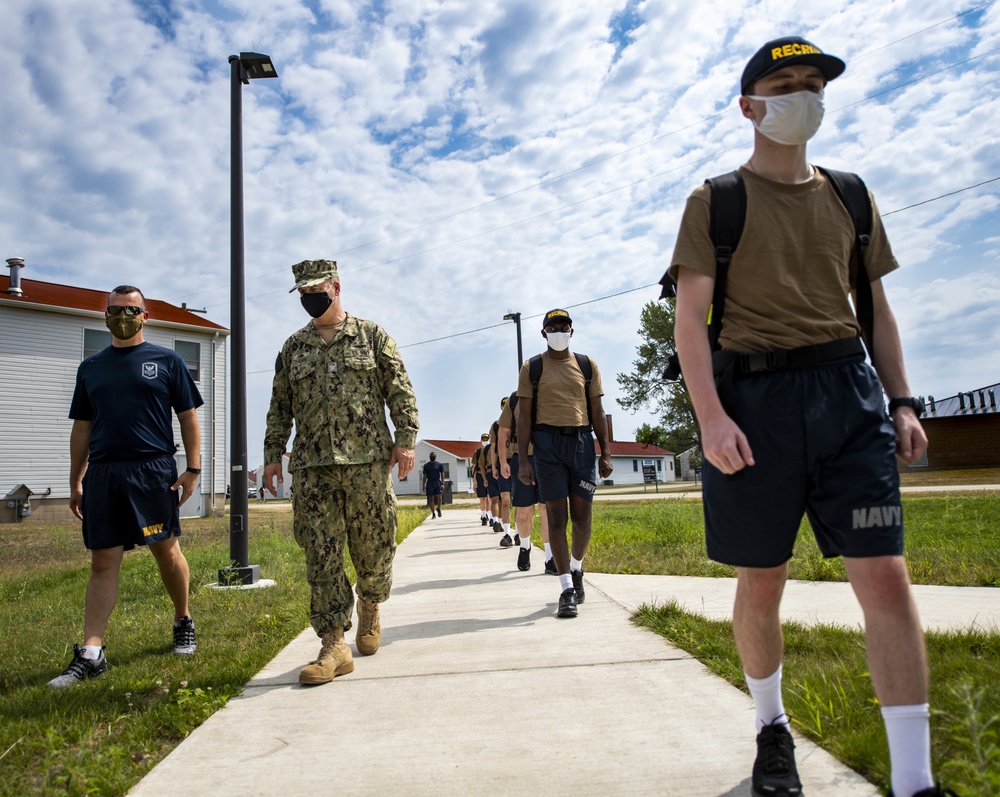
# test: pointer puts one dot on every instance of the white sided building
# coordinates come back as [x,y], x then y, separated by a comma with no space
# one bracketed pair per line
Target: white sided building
[46,331]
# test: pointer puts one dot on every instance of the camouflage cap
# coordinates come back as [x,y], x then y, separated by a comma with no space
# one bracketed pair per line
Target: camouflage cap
[314,272]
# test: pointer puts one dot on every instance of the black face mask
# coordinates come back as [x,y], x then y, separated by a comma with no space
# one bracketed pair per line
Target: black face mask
[316,303]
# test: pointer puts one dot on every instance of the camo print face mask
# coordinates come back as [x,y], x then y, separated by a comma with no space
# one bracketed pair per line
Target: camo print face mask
[124,327]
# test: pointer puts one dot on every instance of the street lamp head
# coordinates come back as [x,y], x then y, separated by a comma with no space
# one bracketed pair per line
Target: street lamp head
[255,65]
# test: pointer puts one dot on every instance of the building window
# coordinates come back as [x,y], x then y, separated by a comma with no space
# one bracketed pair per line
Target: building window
[191,352]
[447,473]
[635,466]
[94,340]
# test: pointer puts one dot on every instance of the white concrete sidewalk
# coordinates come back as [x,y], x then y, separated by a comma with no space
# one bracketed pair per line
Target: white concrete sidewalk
[479,689]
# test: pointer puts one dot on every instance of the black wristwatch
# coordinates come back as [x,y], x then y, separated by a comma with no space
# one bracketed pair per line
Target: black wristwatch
[917,405]
[198,470]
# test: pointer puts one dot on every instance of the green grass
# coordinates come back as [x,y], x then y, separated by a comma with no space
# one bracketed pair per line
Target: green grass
[104,735]
[950,540]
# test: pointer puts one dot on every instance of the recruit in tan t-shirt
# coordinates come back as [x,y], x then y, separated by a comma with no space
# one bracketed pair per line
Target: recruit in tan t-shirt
[560,391]
[791,275]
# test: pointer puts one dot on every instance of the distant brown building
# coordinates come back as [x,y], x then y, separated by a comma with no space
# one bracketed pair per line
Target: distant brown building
[963,431]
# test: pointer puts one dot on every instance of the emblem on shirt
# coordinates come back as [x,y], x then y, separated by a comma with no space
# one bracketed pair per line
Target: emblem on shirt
[149,370]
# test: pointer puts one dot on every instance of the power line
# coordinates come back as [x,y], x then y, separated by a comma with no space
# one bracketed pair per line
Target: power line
[941,196]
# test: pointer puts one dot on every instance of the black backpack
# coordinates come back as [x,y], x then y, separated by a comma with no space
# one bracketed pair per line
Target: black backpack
[728,212]
[535,375]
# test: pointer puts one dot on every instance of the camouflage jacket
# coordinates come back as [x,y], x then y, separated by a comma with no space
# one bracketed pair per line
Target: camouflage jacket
[336,394]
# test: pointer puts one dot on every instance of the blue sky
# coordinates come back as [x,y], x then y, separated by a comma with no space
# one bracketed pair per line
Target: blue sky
[461,160]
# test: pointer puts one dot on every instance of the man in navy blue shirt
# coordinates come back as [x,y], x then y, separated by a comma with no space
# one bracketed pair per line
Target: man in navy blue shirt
[123,478]
[433,474]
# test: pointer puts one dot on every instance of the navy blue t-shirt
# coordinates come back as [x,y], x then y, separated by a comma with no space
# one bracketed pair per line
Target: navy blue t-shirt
[433,471]
[127,394]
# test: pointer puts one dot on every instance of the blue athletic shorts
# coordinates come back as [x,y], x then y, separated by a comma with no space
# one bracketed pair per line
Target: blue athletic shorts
[502,483]
[565,462]
[492,485]
[824,447]
[129,503]
[433,489]
[523,494]
[481,491]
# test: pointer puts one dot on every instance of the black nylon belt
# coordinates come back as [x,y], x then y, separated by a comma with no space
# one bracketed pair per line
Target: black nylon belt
[760,362]
[566,430]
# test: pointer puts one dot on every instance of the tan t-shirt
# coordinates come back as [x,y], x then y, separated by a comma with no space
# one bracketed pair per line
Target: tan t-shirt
[508,420]
[791,275]
[494,432]
[560,391]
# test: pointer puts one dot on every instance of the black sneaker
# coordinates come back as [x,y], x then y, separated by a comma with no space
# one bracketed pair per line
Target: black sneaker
[935,791]
[484,519]
[80,669]
[524,559]
[184,644]
[517,539]
[774,772]
[567,604]
[497,526]
[439,513]
[506,542]
[578,585]
[550,567]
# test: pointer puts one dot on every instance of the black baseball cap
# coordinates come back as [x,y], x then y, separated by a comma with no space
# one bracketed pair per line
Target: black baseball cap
[556,316]
[788,51]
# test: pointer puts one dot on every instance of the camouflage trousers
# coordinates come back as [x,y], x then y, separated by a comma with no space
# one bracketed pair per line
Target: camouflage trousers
[344,505]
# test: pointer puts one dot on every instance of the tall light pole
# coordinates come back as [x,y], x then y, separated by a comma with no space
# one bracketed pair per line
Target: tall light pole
[516,318]
[245,67]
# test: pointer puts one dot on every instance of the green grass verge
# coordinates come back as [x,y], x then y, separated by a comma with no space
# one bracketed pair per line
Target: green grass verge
[104,735]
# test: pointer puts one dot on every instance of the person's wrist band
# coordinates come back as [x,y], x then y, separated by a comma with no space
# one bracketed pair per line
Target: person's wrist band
[194,470]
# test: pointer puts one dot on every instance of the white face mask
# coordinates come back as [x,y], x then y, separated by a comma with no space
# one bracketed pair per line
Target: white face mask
[791,118]
[559,341]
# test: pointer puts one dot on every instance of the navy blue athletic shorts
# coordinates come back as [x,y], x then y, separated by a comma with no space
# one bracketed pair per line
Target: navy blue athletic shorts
[129,503]
[433,489]
[481,491]
[492,485]
[502,483]
[824,447]
[523,494]
[565,462]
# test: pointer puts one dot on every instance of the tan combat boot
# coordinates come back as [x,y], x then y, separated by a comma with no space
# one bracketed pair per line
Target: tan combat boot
[334,659]
[369,629]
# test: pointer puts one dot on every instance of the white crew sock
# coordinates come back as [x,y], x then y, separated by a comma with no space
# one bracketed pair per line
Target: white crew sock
[548,552]
[525,542]
[908,729]
[575,564]
[506,528]
[91,652]
[766,693]
[565,581]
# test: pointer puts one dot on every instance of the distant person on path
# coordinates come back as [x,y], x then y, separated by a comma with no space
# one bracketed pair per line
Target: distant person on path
[792,419]
[479,481]
[334,379]
[524,497]
[502,454]
[433,475]
[123,478]
[554,419]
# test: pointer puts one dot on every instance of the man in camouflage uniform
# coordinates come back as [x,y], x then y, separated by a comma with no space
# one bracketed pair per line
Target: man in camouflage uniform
[333,379]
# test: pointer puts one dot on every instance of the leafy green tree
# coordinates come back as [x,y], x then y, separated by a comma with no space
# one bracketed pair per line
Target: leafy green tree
[646,388]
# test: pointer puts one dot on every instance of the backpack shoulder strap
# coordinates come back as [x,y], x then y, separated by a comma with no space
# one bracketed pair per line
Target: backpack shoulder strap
[535,375]
[728,212]
[588,374]
[853,193]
